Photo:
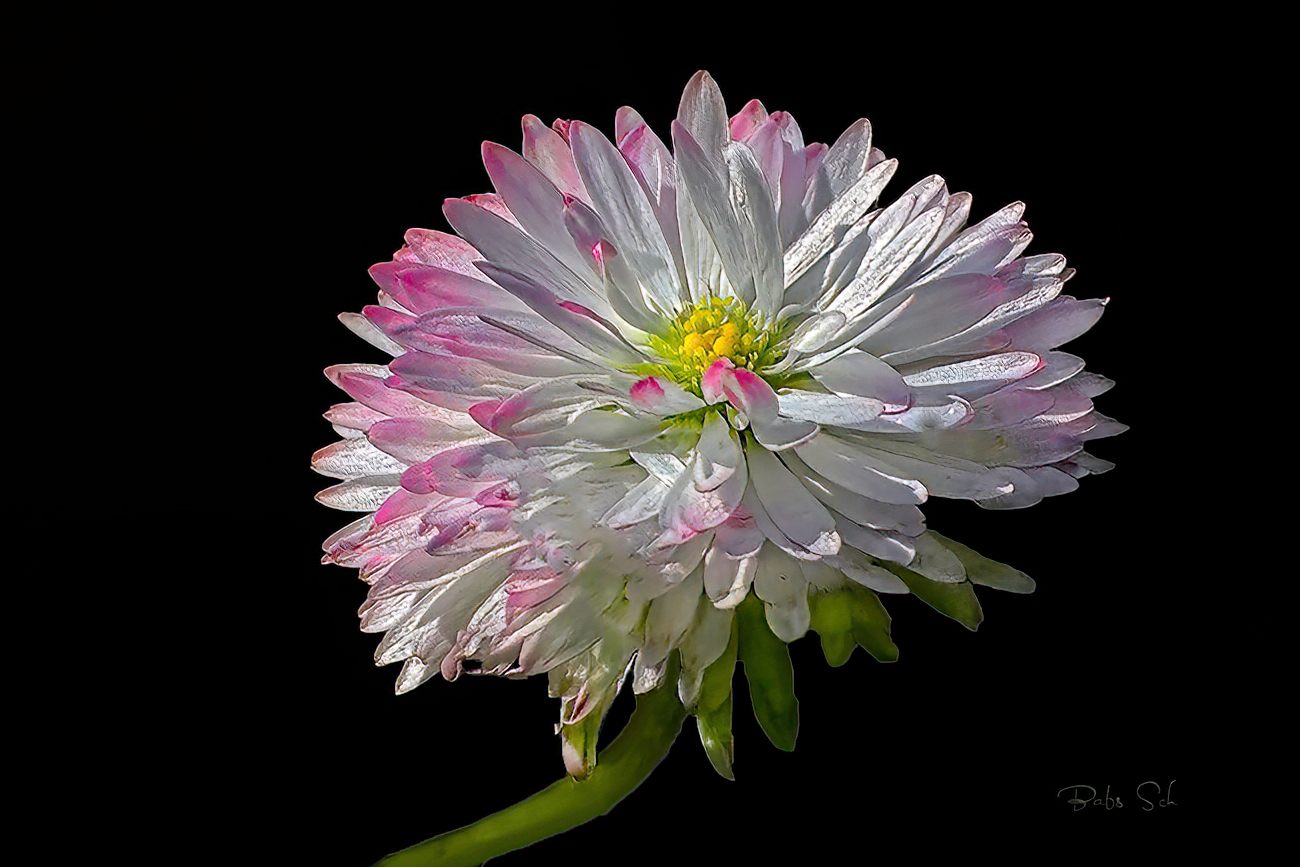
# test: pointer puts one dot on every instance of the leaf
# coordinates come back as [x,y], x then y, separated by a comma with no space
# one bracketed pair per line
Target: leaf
[770,675]
[990,573]
[957,601]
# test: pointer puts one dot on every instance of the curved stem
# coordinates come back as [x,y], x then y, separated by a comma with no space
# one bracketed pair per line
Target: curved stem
[621,767]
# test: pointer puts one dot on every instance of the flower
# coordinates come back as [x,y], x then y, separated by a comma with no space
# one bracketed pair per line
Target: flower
[644,395]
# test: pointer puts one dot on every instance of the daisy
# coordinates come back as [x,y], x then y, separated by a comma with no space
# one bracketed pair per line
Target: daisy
[652,404]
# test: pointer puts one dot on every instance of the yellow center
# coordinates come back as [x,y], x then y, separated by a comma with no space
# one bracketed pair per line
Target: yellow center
[715,328]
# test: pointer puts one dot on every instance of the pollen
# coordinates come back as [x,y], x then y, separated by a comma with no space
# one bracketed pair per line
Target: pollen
[712,329]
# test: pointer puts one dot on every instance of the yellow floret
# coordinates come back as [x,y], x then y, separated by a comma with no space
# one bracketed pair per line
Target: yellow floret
[715,328]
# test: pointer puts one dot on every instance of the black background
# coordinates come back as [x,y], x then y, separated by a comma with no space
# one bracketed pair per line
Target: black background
[967,741]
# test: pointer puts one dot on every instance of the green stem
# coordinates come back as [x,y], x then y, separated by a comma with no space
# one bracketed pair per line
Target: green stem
[621,767]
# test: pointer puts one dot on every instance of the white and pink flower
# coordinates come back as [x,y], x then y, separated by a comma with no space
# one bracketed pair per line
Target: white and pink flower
[641,383]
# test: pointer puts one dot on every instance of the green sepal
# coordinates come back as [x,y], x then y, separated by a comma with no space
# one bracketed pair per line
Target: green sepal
[832,620]
[848,617]
[770,675]
[957,600]
[716,736]
[871,624]
[580,737]
[713,708]
[990,573]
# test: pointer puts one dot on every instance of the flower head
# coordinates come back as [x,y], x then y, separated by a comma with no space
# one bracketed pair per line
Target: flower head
[645,393]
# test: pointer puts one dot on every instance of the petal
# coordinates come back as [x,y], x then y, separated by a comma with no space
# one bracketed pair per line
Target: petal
[780,583]
[825,231]
[669,617]
[703,114]
[737,215]
[861,373]
[662,396]
[749,393]
[900,518]
[846,162]
[829,409]
[577,321]
[444,251]
[364,494]
[510,248]
[534,201]
[795,512]
[881,270]
[544,148]
[642,502]
[415,440]
[421,288]
[976,376]
[352,458]
[727,579]
[629,220]
[858,471]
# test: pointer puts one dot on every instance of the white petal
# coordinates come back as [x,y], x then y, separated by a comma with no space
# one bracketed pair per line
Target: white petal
[626,213]
[846,161]
[983,247]
[579,322]
[905,519]
[840,410]
[689,509]
[597,430]
[510,248]
[365,494]
[547,149]
[879,273]
[708,185]
[663,397]
[727,579]
[740,536]
[704,114]
[669,617]
[780,583]
[533,200]
[705,640]
[861,569]
[751,394]
[858,372]
[936,562]
[718,456]
[350,458]
[876,542]
[794,511]
[858,471]
[366,330]
[642,502]
[944,474]
[815,331]
[825,231]
[985,373]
